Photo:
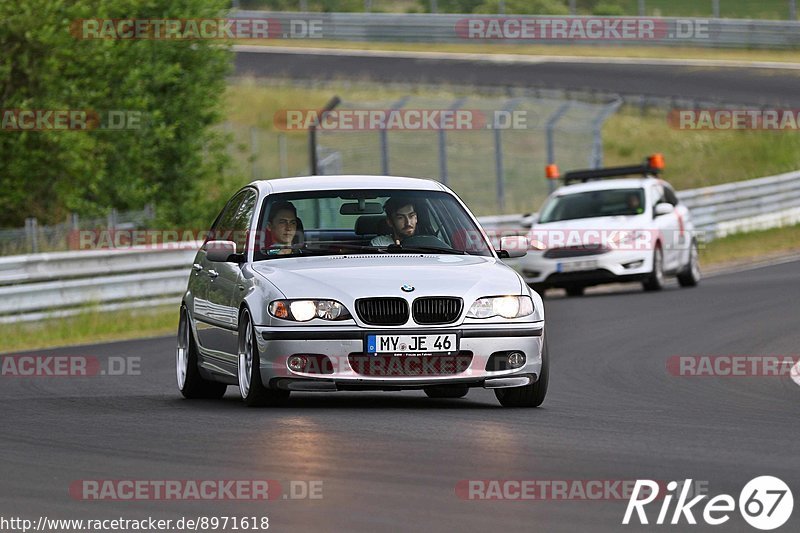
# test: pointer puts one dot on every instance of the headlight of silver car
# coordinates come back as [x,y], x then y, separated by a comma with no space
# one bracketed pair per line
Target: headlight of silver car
[305,310]
[504,306]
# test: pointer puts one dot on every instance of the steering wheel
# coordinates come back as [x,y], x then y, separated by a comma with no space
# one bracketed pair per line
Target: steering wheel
[425,240]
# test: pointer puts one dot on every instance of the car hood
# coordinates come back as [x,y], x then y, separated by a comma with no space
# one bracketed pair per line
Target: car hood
[585,230]
[346,278]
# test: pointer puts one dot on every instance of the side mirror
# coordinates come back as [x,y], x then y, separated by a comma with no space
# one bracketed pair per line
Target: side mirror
[663,209]
[221,251]
[513,246]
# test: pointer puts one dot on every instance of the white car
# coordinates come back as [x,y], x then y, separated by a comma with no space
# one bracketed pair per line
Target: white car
[357,283]
[611,230]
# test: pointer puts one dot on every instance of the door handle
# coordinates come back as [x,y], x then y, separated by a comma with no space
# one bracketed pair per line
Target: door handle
[197,267]
[213,274]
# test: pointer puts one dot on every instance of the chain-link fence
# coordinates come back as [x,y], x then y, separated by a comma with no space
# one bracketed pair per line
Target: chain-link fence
[496,165]
[35,238]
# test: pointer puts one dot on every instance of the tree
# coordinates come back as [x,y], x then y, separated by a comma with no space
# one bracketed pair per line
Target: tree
[175,87]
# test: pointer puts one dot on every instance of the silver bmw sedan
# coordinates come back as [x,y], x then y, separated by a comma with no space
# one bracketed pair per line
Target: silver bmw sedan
[328,283]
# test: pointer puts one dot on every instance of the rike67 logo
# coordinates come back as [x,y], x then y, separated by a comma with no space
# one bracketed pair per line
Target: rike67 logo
[765,503]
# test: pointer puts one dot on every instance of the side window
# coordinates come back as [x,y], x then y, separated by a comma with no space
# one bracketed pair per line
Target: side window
[669,195]
[234,221]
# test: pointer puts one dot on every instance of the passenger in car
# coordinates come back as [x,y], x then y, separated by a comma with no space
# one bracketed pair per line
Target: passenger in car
[285,228]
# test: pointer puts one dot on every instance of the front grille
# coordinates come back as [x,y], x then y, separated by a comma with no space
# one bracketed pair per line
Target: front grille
[575,251]
[409,365]
[382,311]
[436,310]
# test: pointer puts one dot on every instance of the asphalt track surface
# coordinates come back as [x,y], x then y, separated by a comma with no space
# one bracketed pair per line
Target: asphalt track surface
[730,85]
[391,461]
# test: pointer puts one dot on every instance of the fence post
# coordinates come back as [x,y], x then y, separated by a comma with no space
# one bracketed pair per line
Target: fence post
[384,135]
[443,146]
[792,9]
[597,132]
[573,9]
[550,138]
[642,8]
[283,159]
[498,154]
[715,8]
[31,232]
[312,134]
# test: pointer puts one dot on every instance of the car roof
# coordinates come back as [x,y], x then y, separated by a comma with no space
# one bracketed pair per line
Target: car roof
[606,184]
[346,181]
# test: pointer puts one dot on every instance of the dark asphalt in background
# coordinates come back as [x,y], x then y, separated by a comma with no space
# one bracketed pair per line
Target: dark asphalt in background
[391,461]
[722,84]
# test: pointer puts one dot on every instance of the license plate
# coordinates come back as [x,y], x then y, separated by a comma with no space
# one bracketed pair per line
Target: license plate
[574,266]
[412,343]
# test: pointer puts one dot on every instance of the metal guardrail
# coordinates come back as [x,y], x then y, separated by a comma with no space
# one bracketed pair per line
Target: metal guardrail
[36,286]
[451,28]
[64,283]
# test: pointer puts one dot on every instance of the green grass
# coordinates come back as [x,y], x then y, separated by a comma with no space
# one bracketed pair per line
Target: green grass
[89,327]
[699,158]
[694,158]
[584,50]
[754,9]
[751,246]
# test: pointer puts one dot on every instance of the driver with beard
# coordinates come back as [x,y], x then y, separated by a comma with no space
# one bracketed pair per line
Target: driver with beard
[401,216]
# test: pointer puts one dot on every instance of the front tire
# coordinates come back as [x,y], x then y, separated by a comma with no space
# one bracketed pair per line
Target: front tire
[655,282]
[191,384]
[690,275]
[531,395]
[450,391]
[253,391]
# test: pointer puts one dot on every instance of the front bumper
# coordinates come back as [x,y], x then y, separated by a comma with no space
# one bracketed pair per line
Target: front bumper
[340,345]
[609,267]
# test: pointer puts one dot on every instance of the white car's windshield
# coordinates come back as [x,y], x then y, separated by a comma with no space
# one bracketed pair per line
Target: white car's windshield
[365,222]
[602,203]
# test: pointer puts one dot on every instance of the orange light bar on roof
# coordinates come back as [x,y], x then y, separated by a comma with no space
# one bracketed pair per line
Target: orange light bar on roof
[551,172]
[656,161]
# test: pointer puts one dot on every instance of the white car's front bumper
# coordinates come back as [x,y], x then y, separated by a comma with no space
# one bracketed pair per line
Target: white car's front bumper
[351,368]
[586,270]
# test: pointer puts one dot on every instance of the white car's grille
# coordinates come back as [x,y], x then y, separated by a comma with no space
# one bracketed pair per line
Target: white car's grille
[436,310]
[382,311]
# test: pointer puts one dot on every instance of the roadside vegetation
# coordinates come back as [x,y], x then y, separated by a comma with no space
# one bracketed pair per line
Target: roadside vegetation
[694,158]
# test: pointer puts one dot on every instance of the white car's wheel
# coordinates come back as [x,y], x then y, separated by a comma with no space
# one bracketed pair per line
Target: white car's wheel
[531,395]
[253,391]
[655,282]
[190,382]
[690,275]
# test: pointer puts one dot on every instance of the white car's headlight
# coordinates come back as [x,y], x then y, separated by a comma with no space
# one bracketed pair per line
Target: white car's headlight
[504,306]
[305,310]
